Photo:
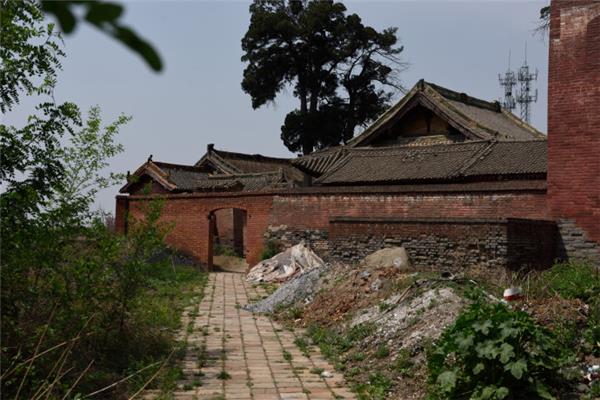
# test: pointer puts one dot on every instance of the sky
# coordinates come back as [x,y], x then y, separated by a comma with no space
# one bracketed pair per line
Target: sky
[197,99]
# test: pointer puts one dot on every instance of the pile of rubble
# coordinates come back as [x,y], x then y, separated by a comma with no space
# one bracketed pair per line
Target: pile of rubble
[285,265]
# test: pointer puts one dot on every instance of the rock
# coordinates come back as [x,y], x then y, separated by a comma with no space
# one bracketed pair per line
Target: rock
[365,275]
[283,266]
[326,374]
[388,257]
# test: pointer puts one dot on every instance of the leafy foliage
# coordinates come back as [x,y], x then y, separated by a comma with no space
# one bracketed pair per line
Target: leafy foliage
[105,16]
[493,352]
[76,313]
[337,66]
[30,52]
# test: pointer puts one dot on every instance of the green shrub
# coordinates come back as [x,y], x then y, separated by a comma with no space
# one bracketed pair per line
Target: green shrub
[403,363]
[270,250]
[375,389]
[333,343]
[382,351]
[493,352]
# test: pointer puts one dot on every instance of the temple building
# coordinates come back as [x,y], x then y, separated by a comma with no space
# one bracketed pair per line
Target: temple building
[455,179]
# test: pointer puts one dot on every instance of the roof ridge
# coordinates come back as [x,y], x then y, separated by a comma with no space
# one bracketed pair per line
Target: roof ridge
[214,156]
[245,175]
[251,156]
[465,143]
[173,165]
[464,97]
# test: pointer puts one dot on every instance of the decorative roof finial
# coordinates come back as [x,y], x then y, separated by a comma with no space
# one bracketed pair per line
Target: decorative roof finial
[210,147]
[150,158]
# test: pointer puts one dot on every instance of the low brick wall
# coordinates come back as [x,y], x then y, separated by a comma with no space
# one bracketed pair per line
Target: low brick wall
[448,244]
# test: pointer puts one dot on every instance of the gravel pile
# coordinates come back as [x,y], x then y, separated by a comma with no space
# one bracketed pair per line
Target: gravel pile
[300,288]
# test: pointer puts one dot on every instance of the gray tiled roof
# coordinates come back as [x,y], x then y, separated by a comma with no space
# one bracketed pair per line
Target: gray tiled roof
[185,177]
[319,162]
[445,162]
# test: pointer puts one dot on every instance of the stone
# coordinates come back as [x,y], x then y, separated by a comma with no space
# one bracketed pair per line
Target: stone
[388,257]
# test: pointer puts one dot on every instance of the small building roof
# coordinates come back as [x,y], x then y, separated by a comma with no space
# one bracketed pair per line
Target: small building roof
[188,178]
[227,162]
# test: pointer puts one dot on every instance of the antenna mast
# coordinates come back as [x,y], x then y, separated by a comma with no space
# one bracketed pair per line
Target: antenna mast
[508,81]
[524,95]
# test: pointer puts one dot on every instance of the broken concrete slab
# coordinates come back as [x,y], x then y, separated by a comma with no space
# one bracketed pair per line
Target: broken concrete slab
[283,266]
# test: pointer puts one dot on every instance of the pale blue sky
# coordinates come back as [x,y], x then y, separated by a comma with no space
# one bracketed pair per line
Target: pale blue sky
[197,99]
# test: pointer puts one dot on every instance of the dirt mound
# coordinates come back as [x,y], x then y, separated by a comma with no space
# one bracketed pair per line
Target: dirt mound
[285,265]
[348,290]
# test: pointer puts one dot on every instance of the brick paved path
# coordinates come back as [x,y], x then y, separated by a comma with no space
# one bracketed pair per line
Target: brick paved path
[259,358]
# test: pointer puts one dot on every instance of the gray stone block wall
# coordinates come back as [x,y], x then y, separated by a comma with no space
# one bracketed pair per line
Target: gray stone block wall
[428,251]
[286,237]
[574,245]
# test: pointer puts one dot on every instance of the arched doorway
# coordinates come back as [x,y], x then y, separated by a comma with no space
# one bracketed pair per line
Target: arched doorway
[227,240]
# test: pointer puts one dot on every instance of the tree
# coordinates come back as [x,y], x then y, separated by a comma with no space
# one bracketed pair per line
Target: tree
[68,286]
[338,67]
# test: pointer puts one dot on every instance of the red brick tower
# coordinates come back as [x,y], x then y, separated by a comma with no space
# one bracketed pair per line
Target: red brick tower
[574,124]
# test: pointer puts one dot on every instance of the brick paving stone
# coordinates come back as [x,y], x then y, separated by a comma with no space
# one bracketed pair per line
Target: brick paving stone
[250,349]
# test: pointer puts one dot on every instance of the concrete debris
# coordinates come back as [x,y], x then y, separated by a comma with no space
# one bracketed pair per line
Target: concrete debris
[414,321]
[388,257]
[300,288]
[285,265]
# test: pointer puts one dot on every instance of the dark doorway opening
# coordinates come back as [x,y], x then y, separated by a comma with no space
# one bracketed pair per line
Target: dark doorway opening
[227,237]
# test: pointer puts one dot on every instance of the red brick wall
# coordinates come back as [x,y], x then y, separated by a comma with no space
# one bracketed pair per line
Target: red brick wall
[574,114]
[189,219]
[314,211]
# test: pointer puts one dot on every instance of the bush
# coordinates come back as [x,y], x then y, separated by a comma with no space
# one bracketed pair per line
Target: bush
[375,389]
[270,250]
[493,352]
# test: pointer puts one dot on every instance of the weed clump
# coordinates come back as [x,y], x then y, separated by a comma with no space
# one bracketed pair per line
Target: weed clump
[494,352]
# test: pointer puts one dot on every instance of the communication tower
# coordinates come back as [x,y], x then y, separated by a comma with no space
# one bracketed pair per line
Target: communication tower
[508,82]
[524,95]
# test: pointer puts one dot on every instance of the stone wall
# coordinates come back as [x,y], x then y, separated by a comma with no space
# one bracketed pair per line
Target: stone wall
[573,243]
[449,244]
[287,237]
[431,243]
